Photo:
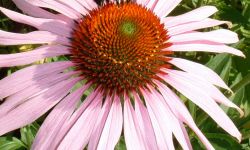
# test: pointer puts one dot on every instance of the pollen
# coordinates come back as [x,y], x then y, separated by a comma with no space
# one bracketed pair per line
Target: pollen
[118,47]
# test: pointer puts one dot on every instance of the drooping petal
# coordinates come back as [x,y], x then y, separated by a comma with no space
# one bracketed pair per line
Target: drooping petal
[211,91]
[89,4]
[81,125]
[145,123]
[74,4]
[56,119]
[200,98]
[163,135]
[25,58]
[29,76]
[180,110]
[152,4]
[38,12]
[162,8]
[132,133]
[55,26]
[162,142]
[166,117]
[191,16]
[184,133]
[35,107]
[99,125]
[69,123]
[199,70]
[203,46]
[205,23]
[35,37]
[219,36]
[113,127]
[57,6]
[142,2]
[42,86]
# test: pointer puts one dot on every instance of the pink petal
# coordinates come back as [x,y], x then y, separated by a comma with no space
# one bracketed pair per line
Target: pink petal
[212,91]
[200,98]
[152,4]
[145,123]
[56,119]
[191,16]
[35,37]
[29,76]
[113,127]
[65,129]
[35,11]
[55,26]
[78,135]
[100,123]
[205,47]
[205,23]
[75,5]
[180,110]
[219,36]
[162,133]
[25,58]
[132,133]
[162,141]
[142,2]
[199,70]
[185,134]
[42,86]
[57,6]
[166,117]
[89,4]
[35,107]
[163,7]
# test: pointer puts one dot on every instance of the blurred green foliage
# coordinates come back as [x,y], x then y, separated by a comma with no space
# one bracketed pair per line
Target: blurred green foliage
[233,70]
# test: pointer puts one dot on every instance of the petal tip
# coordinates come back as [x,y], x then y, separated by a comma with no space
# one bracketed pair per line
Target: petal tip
[239,138]
[241,112]
[229,24]
[242,55]
[214,8]
[230,90]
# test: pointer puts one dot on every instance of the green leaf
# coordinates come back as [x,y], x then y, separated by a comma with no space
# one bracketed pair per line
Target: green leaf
[221,65]
[192,109]
[223,141]
[245,32]
[196,144]
[245,81]
[238,95]
[28,134]
[246,10]
[11,143]
[121,144]
[230,13]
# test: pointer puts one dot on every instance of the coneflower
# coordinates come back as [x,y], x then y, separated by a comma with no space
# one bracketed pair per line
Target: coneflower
[121,51]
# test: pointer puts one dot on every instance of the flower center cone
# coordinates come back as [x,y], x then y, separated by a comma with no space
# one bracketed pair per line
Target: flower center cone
[119,47]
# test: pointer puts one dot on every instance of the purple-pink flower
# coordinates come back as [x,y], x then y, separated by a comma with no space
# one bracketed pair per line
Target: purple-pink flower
[121,53]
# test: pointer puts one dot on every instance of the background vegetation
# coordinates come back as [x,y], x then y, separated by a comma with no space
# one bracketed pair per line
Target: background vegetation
[233,70]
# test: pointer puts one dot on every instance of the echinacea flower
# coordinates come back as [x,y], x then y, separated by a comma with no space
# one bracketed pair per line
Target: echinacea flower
[121,51]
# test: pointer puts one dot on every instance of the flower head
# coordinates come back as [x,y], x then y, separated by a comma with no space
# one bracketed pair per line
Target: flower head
[121,51]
